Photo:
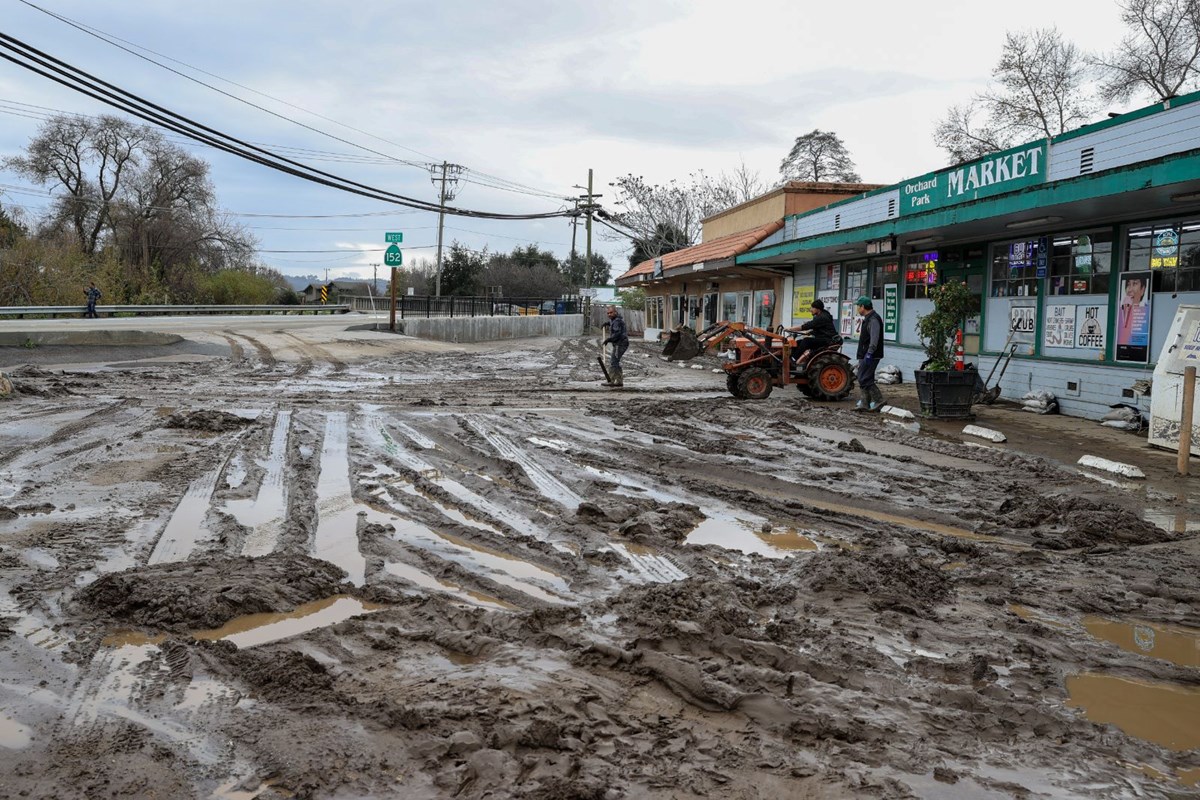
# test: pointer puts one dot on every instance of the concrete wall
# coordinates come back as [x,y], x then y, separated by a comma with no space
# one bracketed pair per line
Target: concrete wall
[1096,387]
[85,338]
[486,329]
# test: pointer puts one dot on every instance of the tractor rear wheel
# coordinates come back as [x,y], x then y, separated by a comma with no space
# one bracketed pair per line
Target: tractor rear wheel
[830,378]
[755,384]
[731,383]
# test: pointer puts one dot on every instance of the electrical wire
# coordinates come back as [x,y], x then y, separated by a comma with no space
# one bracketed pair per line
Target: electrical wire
[113,41]
[107,93]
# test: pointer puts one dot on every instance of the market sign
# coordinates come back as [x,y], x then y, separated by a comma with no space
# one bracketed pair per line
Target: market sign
[999,173]
[891,312]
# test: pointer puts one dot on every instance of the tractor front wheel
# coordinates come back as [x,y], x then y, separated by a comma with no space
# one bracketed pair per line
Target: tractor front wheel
[755,384]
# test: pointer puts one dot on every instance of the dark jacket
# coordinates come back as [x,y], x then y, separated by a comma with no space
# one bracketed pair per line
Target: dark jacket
[821,326]
[870,341]
[616,331]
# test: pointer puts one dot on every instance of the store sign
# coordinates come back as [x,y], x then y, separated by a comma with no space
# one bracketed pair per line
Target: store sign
[1002,172]
[851,321]
[1060,326]
[881,246]
[1133,318]
[1091,325]
[891,312]
[1189,347]
[830,299]
[1166,250]
[1022,321]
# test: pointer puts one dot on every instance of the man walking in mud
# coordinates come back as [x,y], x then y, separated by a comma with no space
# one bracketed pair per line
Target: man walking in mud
[618,337]
[93,296]
[870,350]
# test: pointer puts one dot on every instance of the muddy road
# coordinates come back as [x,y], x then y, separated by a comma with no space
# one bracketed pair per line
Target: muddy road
[356,565]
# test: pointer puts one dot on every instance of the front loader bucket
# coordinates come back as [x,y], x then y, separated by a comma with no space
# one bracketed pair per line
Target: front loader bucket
[681,345]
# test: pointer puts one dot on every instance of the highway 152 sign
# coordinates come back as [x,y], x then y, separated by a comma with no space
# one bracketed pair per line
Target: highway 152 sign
[393,257]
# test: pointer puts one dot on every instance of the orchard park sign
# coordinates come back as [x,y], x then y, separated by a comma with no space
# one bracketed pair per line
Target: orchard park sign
[999,173]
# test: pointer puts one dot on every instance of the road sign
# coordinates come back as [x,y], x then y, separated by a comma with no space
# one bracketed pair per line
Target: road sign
[393,257]
[393,238]
[324,294]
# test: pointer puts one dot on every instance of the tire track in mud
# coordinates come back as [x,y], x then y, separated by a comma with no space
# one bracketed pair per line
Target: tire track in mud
[264,353]
[236,353]
[316,353]
[96,420]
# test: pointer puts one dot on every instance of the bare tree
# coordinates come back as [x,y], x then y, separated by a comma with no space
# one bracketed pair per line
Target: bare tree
[1157,56]
[88,159]
[1038,90]
[741,184]
[818,156]
[647,210]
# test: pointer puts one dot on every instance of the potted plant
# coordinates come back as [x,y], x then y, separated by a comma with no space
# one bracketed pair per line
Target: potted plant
[942,390]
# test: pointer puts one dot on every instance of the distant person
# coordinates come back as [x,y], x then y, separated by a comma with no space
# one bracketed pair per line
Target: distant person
[820,328]
[870,350]
[93,296]
[618,337]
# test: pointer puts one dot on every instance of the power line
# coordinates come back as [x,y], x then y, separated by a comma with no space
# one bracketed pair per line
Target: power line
[107,93]
[113,41]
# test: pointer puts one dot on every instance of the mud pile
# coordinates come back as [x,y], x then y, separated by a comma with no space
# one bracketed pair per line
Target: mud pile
[191,595]
[207,420]
[891,581]
[1061,522]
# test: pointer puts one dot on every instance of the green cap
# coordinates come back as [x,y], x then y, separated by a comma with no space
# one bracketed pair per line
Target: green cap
[864,301]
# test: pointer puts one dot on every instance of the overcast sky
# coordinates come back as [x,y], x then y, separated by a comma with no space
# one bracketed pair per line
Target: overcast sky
[530,91]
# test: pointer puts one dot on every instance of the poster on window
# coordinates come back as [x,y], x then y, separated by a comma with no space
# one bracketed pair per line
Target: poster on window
[1060,326]
[802,297]
[1133,318]
[831,303]
[1022,323]
[851,322]
[1091,324]
[1166,249]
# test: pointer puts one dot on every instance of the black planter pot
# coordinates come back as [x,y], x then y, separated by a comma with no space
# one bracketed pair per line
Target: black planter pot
[946,394]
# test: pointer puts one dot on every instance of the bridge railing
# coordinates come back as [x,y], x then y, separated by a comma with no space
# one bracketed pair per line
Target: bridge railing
[168,310]
[448,306]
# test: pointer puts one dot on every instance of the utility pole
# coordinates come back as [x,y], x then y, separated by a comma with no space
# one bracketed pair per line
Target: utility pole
[447,176]
[374,284]
[574,230]
[589,206]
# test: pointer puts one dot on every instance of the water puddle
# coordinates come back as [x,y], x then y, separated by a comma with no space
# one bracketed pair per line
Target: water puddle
[1178,645]
[953,566]
[132,639]
[186,526]
[1166,714]
[1030,615]
[415,436]
[256,629]
[911,523]
[748,536]
[1189,777]
[264,515]
[1172,521]
[541,477]
[893,449]
[13,735]
[336,540]
[426,581]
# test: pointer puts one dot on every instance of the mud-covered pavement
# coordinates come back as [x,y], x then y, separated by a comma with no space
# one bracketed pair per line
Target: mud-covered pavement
[365,566]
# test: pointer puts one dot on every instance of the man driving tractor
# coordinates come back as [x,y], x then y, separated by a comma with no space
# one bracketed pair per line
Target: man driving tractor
[820,328]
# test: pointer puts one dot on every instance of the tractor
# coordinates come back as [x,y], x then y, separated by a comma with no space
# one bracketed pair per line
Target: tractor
[758,360]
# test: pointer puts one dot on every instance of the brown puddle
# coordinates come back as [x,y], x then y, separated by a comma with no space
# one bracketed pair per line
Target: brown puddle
[1178,645]
[1189,777]
[909,522]
[134,638]
[13,735]
[791,539]
[951,566]
[256,629]
[1029,615]
[1167,714]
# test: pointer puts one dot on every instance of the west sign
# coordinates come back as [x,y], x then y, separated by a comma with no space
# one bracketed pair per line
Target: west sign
[1001,172]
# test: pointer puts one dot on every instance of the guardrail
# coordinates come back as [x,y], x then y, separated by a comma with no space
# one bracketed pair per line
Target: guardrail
[168,310]
[450,306]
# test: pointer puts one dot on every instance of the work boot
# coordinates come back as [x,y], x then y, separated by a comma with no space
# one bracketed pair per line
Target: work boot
[618,378]
[876,399]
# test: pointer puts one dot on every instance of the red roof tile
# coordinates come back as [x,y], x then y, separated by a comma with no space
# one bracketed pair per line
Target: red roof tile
[724,247]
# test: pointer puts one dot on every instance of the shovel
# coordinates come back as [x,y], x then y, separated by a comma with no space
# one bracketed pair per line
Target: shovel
[600,358]
[989,396]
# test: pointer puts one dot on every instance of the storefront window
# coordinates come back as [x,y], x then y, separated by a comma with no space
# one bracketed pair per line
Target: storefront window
[920,273]
[1080,263]
[764,308]
[1015,267]
[729,306]
[885,272]
[676,309]
[1170,251]
[856,281]
[654,312]
[829,277]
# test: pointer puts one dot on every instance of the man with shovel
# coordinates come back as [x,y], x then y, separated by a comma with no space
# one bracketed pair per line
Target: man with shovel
[618,337]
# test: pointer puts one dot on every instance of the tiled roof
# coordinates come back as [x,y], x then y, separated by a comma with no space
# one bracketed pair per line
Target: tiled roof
[724,247]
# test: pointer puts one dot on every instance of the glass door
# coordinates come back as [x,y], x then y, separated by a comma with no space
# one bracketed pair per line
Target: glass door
[973,275]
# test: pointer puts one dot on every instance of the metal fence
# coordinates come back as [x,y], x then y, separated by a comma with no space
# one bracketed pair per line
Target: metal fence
[635,321]
[168,310]
[429,306]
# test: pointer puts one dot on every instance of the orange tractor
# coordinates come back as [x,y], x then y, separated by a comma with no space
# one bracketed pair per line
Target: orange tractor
[757,360]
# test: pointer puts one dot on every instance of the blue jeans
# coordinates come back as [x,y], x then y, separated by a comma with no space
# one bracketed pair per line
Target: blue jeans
[614,356]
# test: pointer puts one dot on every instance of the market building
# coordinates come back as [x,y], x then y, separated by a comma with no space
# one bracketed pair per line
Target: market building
[702,284]
[1080,249]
